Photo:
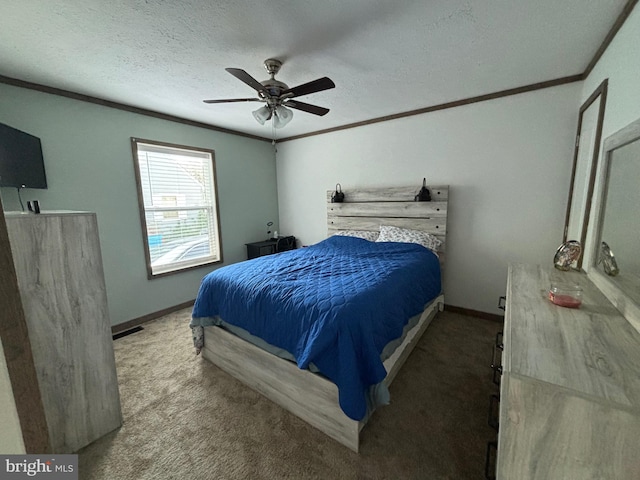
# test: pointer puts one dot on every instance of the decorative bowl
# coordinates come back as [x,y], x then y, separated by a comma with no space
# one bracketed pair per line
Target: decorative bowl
[566,295]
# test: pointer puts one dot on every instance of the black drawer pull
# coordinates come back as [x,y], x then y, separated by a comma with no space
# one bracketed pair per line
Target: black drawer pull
[501,303]
[494,363]
[494,412]
[489,466]
[497,372]
[497,368]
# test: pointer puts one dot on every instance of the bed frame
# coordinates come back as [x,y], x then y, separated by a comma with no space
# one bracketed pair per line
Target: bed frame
[312,397]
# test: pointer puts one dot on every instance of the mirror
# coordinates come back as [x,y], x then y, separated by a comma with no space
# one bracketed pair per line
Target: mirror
[583,173]
[615,262]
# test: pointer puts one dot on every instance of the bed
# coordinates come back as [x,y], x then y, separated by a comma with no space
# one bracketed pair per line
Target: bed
[332,372]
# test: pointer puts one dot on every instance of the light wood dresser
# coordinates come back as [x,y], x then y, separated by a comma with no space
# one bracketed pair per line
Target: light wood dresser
[61,281]
[570,389]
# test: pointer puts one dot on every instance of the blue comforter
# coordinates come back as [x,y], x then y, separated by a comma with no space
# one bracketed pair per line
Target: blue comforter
[336,304]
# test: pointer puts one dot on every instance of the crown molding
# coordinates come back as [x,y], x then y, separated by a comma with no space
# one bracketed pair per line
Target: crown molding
[121,106]
[626,11]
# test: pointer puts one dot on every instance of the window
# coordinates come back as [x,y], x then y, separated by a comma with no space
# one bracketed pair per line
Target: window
[178,206]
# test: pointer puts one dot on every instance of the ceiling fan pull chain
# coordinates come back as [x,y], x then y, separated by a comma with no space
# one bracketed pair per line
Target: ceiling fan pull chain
[273,135]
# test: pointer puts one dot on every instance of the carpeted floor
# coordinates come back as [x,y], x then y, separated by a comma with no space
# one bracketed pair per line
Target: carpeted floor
[186,419]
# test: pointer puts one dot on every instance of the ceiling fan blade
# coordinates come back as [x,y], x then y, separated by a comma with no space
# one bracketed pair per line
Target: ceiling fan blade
[306,107]
[248,79]
[230,100]
[324,83]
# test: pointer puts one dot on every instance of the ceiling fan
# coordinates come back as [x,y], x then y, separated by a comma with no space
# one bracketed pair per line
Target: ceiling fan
[277,95]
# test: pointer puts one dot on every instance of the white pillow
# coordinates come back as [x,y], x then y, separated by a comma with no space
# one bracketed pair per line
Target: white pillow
[367,235]
[405,235]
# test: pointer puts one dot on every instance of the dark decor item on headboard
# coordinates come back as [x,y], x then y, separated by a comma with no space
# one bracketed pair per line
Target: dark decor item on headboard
[338,196]
[423,195]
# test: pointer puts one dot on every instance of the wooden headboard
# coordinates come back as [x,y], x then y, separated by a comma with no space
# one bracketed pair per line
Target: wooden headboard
[368,208]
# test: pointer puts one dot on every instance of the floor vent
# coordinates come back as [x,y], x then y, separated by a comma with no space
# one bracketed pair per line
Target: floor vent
[127,332]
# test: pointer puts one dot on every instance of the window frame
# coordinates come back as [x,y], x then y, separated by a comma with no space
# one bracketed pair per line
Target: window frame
[142,211]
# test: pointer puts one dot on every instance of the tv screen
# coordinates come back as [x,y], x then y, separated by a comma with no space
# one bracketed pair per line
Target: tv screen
[21,162]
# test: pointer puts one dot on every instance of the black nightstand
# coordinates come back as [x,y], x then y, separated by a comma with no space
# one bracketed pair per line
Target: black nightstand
[258,249]
[267,247]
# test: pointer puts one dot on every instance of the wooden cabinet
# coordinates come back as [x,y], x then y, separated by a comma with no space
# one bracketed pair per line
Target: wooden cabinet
[570,389]
[60,277]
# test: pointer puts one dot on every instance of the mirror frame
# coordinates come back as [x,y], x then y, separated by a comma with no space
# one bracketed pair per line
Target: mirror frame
[621,300]
[600,92]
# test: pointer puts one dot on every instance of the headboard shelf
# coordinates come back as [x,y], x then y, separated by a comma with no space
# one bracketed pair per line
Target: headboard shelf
[390,209]
[368,208]
[391,194]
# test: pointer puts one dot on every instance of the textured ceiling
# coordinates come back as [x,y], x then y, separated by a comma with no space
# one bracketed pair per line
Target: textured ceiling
[385,57]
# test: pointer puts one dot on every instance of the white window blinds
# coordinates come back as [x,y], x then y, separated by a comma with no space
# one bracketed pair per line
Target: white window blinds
[178,198]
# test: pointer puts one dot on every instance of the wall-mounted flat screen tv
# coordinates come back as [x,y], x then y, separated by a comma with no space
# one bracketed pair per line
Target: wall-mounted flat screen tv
[21,162]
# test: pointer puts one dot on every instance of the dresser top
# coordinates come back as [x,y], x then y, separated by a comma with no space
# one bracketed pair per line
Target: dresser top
[592,350]
[45,213]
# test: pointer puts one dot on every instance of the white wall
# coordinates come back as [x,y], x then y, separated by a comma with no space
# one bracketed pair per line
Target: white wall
[621,65]
[507,161]
[10,433]
[89,166]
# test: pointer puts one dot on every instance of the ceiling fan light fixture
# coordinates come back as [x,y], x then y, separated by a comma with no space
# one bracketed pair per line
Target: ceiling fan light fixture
[262,114]
[282,116]
[275,94]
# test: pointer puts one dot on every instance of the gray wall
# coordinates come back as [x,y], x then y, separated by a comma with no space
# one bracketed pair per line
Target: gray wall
[89,167]
[621,65]
[507,161]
